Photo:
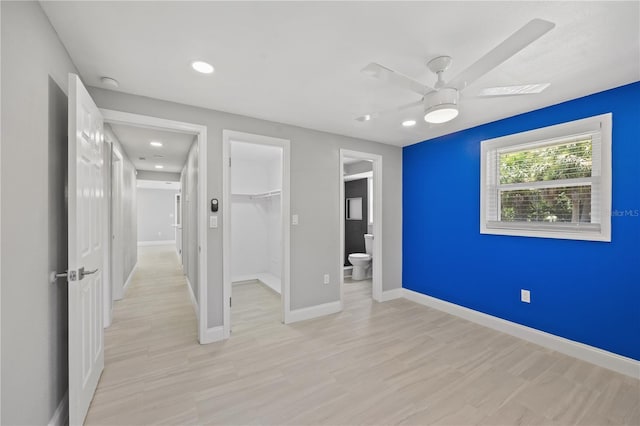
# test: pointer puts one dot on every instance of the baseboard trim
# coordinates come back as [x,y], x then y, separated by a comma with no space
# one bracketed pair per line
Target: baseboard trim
[212,334]
[396,293]
[597,356]
[129,279]
[314,312]
[156,243]
[192,296]
[262,278]
[61,415]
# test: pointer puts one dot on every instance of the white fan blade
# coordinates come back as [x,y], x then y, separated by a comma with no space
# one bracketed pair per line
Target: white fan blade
[526,35]
[386,74]
[371,116]
[525,89]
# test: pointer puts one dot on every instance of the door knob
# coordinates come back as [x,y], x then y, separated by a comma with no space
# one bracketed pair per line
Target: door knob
[82,273]
[73,276]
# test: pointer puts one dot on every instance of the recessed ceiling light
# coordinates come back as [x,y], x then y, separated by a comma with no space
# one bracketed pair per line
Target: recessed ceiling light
[366,117]
[202,67]
[155,143]
[409,123]
[159,166]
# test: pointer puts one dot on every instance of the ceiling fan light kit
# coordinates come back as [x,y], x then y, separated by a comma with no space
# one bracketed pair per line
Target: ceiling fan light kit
[441,106]
[441,101]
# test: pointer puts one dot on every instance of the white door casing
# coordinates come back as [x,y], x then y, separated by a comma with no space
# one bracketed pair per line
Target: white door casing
[285,199]
[376,264]
[86,245]
[205,334]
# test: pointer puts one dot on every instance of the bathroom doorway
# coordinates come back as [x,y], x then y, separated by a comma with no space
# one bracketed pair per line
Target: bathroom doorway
[360,225]
[255,231]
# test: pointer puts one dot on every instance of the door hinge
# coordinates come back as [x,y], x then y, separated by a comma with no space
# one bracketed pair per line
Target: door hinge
[229,161]
[230,304]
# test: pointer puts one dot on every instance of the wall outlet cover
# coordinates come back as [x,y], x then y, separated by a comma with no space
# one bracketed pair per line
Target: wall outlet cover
[525,296]
[326,278]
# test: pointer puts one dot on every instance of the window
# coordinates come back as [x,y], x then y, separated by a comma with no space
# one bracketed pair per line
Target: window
[553,182]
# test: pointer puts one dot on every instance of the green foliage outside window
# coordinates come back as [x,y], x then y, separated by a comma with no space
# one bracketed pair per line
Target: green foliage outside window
[571,203]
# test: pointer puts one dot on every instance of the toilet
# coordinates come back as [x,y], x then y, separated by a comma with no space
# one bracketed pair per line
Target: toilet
[362,261]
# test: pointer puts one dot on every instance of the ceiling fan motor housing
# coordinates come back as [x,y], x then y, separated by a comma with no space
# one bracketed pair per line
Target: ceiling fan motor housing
[441,105]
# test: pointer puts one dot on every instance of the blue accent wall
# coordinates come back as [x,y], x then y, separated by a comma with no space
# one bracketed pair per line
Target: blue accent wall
[581,290]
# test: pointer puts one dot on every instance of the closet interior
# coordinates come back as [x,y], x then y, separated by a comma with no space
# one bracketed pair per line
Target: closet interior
[256,214]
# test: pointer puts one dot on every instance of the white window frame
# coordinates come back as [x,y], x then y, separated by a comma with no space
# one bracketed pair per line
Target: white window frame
[601,125]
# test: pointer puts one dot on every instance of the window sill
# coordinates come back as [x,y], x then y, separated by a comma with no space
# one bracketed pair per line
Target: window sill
[586,233]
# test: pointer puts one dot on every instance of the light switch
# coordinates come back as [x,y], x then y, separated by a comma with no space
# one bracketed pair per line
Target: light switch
[294,219]
[525,296]
[213,221]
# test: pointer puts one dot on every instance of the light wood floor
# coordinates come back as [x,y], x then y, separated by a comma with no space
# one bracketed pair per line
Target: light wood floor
[390,363]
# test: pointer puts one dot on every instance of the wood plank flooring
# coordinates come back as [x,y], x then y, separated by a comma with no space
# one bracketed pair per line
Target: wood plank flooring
[374,363]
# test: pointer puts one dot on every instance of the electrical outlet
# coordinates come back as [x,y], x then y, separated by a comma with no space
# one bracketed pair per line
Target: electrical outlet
[326,278]
[525,296]
[294,219]
[213,221]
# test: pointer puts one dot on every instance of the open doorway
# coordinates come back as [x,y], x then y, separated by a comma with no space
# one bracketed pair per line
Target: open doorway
[256,231]
[360,226]
[163,200]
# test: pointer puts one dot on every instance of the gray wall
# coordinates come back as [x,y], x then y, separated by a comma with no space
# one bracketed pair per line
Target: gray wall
[315,183]
[156,214]
[190,218]
[359,167]
[130,219]
[163,176]
[129,208]
[35,69]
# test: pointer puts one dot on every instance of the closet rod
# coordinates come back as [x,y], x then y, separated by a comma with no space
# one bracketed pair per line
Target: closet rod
[265,194]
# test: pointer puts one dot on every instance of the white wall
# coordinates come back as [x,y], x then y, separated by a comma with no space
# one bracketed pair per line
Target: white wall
[256,240]
[34,85]
[315,183]
[156,215]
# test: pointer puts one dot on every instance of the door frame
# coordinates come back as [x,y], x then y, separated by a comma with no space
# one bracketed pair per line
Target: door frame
[377,221]
[285,144]
[149,122]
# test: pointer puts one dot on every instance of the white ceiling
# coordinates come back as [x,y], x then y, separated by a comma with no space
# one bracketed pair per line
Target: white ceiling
[300,62]
[135,141]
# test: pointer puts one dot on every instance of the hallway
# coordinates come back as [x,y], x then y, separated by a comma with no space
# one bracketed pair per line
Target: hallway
[373,363]
[153,332]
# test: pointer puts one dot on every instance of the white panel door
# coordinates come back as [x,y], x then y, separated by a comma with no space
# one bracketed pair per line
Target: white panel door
[86,245]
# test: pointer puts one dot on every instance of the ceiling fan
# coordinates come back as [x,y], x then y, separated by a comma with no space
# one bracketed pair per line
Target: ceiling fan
[441,101]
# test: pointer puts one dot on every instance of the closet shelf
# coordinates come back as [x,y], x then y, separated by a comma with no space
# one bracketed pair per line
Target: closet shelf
[260,194]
